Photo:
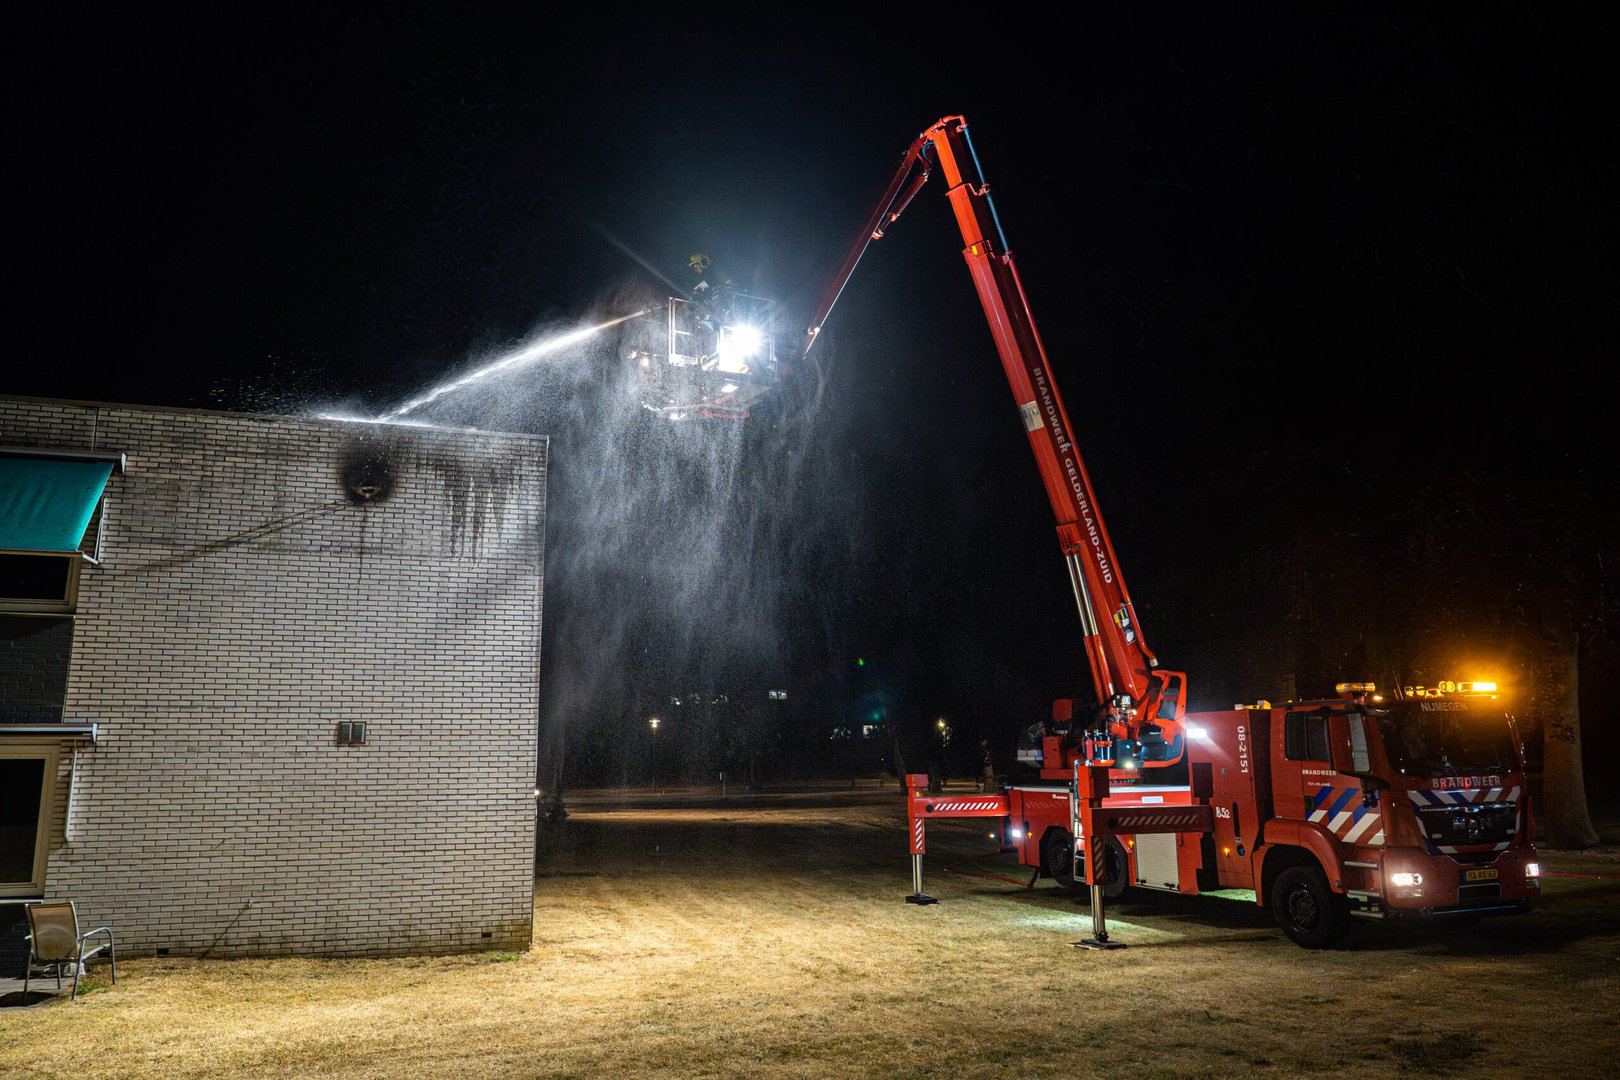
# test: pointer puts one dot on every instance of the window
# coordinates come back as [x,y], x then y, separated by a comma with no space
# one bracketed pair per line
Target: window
[1360,756]
[1306,737]
[27,787]
[35,581]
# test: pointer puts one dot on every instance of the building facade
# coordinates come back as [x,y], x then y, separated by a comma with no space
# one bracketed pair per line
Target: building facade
[287,701]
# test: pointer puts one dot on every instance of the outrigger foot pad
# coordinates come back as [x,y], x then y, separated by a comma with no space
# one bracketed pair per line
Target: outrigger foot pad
[1093,943]
[921,899]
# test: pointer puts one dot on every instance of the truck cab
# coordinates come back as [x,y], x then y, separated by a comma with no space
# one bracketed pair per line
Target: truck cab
[1372,807]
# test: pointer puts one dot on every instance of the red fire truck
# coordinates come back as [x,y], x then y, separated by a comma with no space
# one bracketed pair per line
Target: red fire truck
[1357,805]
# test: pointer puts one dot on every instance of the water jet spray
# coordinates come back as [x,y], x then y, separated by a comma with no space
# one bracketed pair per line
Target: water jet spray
[517,359]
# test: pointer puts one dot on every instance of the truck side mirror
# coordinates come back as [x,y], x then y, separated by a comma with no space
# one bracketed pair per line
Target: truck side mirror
[1339,744]
[1349,744]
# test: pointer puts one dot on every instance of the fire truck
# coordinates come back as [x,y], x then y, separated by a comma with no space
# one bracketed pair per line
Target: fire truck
[1359,805]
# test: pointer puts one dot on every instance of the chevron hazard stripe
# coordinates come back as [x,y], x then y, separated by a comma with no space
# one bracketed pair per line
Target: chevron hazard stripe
[983,806]
[1128,822]
[1342,812]
[1157,819]
[1426,799]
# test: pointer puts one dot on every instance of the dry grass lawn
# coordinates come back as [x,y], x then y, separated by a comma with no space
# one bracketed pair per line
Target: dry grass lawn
[696,940]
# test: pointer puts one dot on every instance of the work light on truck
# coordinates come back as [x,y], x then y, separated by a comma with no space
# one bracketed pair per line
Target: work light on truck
[1532,869]
[738,345]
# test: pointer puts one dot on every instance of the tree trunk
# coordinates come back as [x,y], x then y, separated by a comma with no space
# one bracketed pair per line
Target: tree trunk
[987,772]
[1564,819]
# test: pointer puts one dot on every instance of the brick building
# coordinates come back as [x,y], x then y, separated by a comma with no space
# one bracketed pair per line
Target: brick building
[181,692]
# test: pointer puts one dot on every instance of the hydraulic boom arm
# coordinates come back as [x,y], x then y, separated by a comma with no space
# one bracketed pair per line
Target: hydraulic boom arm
[1134,695]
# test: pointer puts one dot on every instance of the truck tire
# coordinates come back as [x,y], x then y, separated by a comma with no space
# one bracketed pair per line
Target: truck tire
[1119,869]
[1309,912]
[1057,860]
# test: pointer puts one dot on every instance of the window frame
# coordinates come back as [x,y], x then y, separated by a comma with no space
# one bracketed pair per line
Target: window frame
[51,755]
[67,604]
[1303,742]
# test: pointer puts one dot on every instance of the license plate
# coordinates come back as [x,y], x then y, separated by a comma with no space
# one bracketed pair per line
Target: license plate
[1480,875]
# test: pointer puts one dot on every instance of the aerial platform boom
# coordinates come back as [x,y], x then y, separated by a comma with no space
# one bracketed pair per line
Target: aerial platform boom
[1137,701]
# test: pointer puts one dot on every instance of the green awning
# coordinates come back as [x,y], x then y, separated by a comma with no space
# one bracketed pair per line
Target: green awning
[46,504]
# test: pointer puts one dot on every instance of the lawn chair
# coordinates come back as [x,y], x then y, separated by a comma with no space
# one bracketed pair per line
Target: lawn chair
[54,940]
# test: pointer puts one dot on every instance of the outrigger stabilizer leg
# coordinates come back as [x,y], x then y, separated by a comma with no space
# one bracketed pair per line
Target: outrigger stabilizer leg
[1088,788]
[917,896]
[916,785]
[1099,926]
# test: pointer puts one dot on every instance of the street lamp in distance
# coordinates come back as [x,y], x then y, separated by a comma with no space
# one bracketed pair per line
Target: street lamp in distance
[652,722]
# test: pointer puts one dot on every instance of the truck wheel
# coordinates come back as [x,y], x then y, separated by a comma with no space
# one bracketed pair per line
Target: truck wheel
[1057,859]
[1308,911]
[1119,869]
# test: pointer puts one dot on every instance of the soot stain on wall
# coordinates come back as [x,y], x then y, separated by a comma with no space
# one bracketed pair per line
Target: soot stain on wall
[373,466]
[368,471]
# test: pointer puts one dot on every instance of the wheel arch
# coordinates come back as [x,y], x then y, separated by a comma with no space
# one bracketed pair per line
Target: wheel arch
[1279,857]
[1125,853]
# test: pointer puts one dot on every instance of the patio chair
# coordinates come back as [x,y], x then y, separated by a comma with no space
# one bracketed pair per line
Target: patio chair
[54,940]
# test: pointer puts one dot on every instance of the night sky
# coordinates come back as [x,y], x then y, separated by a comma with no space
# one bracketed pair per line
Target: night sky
[1301,276]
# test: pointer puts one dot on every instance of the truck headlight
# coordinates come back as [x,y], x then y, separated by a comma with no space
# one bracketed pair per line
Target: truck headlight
[1532,869]
[1405,880]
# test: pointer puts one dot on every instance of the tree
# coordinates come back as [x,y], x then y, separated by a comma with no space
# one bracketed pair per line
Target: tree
[1564,819]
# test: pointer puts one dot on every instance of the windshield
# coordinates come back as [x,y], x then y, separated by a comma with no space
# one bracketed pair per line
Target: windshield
[1447,737]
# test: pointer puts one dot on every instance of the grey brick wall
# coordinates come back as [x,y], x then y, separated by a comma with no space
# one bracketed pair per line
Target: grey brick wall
[34,652]
[246,604]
